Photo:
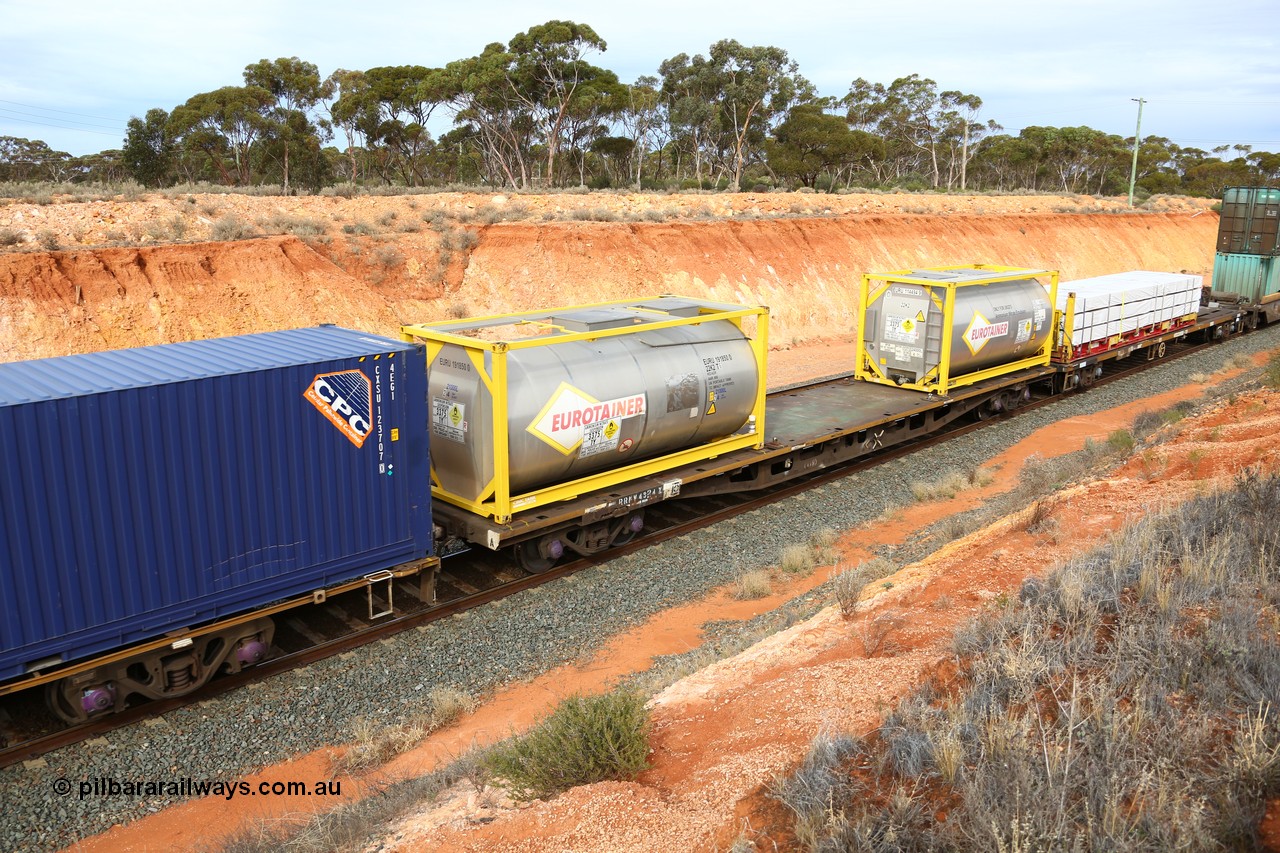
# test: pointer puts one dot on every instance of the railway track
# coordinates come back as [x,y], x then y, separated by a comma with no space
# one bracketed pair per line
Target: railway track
[476,578]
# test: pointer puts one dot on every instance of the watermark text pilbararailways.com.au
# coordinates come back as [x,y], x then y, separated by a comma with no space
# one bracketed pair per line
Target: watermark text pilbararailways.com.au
[104,786]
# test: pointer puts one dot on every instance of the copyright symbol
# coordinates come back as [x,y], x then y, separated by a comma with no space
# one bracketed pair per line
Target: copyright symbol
[62,787]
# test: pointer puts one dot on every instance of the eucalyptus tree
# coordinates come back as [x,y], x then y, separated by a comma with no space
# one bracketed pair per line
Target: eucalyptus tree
[1006,162]
[483,99]
[397,104]
[291,123]
[757,85]
[355,111]
[811,142]
[923,129]
[104,167]
[31,160]
[148,152]
[1080,159]
[722,106]
[688,87]
[536,93]
[565,96]
[643,120]
[1266,165]
[226,121]
[961,109]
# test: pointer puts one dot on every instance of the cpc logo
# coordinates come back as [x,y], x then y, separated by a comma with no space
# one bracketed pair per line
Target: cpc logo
[346,399]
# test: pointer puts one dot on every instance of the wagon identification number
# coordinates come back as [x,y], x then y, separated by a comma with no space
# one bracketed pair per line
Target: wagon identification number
[644,497]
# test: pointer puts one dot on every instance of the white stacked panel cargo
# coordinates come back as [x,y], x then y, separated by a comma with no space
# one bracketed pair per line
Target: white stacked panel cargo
[1114,305]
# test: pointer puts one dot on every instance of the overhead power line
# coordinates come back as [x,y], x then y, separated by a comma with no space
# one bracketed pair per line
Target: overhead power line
[61,122]
[16,120]
[51,110]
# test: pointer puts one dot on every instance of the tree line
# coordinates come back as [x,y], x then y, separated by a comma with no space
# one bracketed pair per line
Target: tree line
[537,113]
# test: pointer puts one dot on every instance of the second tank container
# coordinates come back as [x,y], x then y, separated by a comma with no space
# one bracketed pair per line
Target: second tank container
[937,328]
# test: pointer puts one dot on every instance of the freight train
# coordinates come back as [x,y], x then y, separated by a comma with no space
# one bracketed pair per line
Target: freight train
[159,505]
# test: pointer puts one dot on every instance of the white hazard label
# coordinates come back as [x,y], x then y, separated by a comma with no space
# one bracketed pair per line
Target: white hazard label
[449,419]
[980,331]
[572,419]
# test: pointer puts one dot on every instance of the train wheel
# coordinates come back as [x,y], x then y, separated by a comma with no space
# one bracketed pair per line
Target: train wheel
[1161,349]
[531,558]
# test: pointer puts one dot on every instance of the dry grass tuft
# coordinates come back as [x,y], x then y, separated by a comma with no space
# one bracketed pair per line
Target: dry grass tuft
[753,585]
[798,560]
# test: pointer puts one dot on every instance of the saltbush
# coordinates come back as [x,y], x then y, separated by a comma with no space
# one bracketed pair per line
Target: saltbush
[586,739]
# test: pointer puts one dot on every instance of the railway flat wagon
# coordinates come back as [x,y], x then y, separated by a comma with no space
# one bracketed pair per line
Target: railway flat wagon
[161,500]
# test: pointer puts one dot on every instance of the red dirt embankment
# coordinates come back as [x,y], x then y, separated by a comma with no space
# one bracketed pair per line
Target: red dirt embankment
[806,269]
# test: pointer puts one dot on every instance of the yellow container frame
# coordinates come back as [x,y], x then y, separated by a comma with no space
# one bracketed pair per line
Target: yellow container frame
[939,380]
[496,500]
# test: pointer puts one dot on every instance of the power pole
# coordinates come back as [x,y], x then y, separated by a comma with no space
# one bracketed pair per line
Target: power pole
[1137,137]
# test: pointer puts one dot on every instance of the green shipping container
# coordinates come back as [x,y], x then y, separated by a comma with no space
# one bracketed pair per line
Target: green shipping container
[1249,223]
[1252,276]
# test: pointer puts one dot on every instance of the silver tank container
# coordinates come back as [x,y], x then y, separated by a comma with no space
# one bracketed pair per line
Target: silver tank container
[992,324]
[579,407]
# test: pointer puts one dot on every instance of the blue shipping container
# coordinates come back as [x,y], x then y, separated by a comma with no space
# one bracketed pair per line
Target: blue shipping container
[152,489]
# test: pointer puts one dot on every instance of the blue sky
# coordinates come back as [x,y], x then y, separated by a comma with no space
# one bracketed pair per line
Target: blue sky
[73,73]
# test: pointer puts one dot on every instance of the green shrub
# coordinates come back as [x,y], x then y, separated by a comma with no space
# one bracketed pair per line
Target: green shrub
[10,237]
[586,739]
[1121,441]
